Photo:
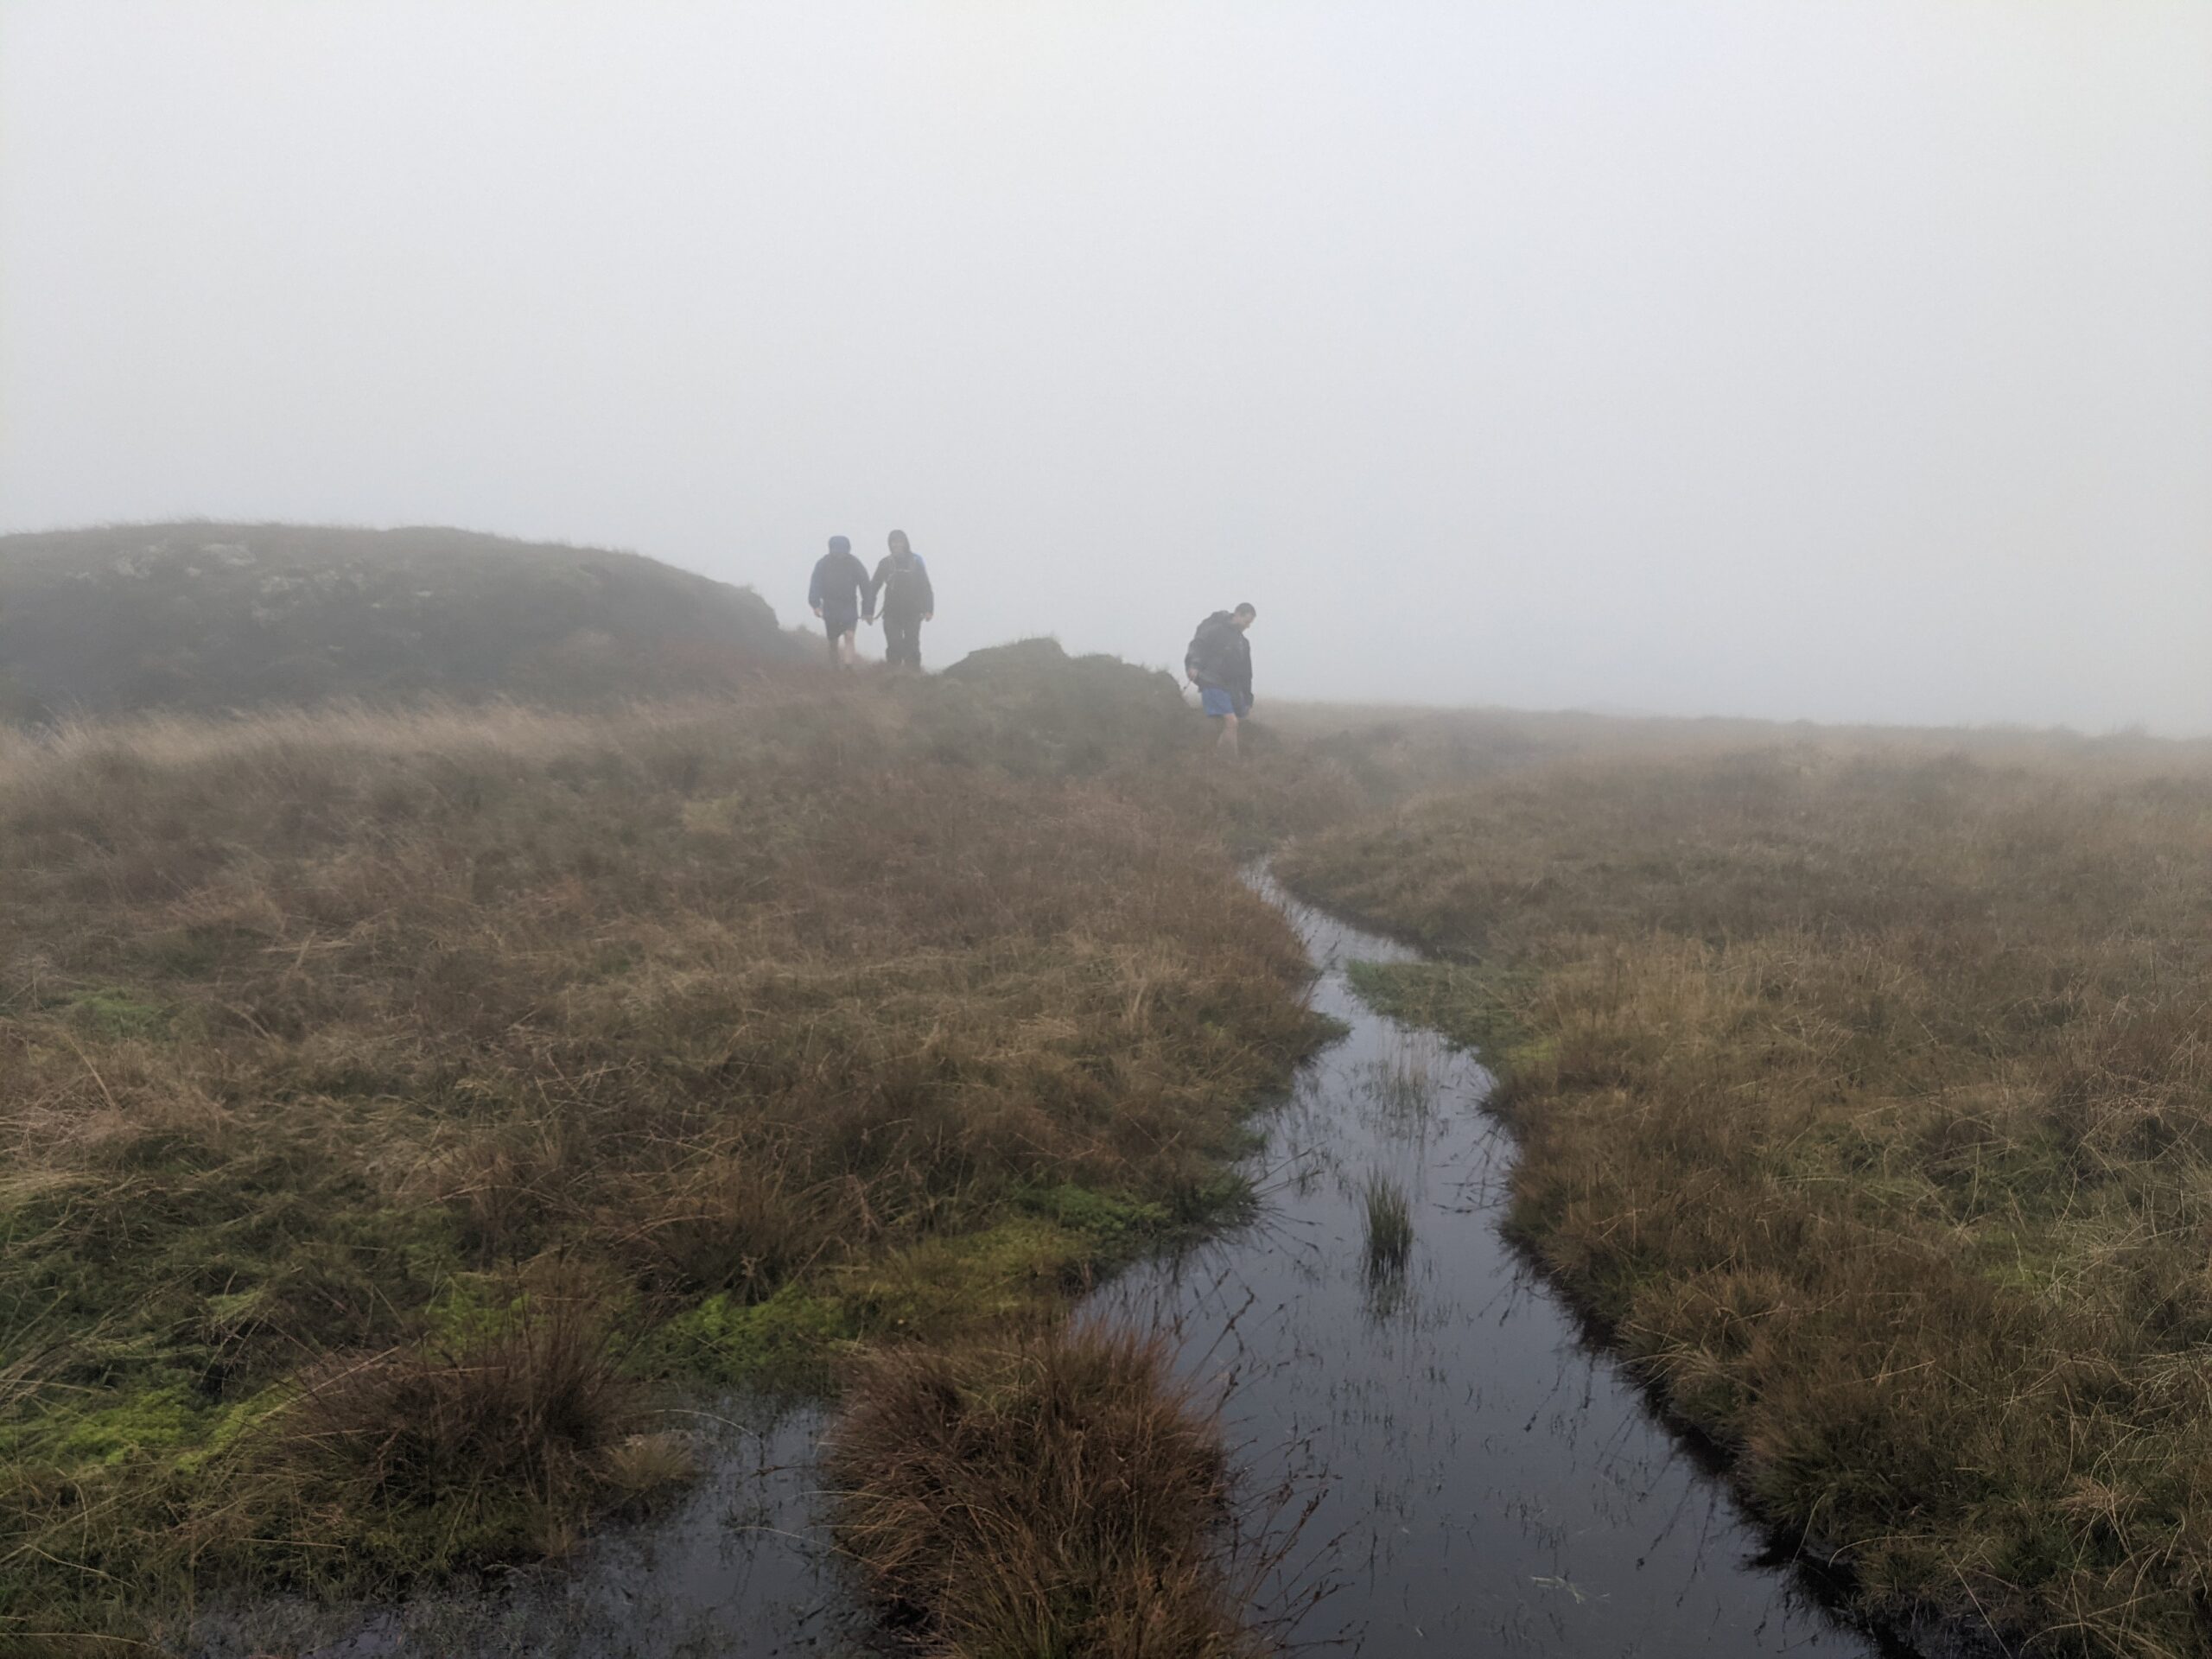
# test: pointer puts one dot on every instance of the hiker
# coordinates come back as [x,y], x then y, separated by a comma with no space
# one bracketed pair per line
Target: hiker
[902,586]
[1219,663]
[837,594]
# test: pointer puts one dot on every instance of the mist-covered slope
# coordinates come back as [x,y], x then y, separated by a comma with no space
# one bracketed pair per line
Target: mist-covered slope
[214,616]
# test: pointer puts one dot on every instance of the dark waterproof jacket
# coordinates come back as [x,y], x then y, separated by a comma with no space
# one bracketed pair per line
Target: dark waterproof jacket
[1219,655]
[841,587]
[902,586]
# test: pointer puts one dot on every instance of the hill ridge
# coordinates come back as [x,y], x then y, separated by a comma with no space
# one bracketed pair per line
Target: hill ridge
[207,613]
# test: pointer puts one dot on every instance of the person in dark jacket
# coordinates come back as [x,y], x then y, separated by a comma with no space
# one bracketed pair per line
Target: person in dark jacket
[1219,663]
[839,593]
[902,588]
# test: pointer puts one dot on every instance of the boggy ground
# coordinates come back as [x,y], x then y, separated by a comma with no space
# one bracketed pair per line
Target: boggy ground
[403,1107]
[398,1105]
[1865,1094]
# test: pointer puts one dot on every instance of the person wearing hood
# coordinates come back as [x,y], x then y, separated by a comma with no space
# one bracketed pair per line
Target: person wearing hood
[838,595]
[902,586]
[1219,663]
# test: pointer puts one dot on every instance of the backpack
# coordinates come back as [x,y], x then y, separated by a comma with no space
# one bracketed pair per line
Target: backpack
[1210,657]
[907,588]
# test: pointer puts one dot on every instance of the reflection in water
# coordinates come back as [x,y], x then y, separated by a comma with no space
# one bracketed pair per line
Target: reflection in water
[740,1567]
[1481,1482]
[1470,1478]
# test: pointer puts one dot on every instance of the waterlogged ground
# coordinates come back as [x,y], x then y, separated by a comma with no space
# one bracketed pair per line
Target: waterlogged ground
[1464,1473]
[1485,1482]
[740,1566]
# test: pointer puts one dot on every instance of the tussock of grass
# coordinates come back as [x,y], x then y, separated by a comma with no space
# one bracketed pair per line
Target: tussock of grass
[1059,1498]
[1868,1099]
[524,1427]
[1388,1219]
[1400,1090]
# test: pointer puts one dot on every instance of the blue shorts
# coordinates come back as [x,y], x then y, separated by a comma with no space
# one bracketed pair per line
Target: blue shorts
[1216,702]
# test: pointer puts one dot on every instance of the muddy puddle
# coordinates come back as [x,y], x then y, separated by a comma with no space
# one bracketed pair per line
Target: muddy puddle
[737,1567]
[1479,1480]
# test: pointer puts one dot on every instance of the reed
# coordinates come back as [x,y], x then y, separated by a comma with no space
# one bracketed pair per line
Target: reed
[1387,1226]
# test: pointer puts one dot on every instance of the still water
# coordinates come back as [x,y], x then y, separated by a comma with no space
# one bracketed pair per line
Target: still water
[1482,1482]
[1438,1462]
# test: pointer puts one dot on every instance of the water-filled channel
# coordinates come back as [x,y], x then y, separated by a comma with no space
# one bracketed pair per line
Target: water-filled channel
[1480,1479]
[1487,1482]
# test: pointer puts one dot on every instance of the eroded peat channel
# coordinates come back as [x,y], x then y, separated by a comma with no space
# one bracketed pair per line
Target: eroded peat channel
[1484,1482]
[1472,1477]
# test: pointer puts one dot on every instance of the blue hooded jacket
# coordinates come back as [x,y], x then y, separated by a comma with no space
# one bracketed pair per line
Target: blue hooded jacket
[840,589]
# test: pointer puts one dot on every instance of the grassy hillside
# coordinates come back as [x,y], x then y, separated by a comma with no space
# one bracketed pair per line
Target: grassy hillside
[1864,1093]
[208,616]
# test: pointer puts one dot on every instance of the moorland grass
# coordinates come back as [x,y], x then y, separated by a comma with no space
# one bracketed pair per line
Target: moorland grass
[1865,1098]
[399,1103]
[394,1100]
[1061,1497]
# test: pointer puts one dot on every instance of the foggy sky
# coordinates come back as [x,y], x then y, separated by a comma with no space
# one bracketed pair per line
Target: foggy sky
[1844,361]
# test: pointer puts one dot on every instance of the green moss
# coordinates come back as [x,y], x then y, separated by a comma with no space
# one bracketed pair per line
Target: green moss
[944,1286]
[168,1421]
[1115,1224]
[1473,1006]
[116,1015]
[788,1341]
[223,1427]
[941,1287]
[141,1423]
[471,1306]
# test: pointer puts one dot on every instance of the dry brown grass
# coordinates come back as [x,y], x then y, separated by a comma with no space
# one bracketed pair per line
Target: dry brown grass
[336,1049]
[1061,1498]
[323,1038]
[532,1411]
[1868,1100]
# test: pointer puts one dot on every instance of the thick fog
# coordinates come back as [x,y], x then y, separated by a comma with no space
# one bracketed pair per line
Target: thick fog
[1831,360]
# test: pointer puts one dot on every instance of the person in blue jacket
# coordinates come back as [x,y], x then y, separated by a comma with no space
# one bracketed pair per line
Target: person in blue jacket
[1219,661]
[839,593]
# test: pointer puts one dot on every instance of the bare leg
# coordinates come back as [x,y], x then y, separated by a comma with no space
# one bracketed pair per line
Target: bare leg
[846,650]
[1228,743]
